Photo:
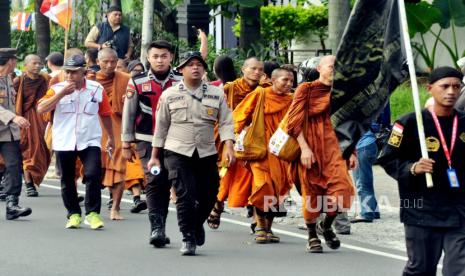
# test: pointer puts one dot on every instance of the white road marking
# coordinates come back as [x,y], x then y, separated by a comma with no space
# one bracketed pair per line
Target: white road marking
[279,231]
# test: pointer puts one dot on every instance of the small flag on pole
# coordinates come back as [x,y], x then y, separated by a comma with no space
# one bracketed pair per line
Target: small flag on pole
[59,11]
[21,21]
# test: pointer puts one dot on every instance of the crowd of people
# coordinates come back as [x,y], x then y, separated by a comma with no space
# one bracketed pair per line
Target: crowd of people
[171,133]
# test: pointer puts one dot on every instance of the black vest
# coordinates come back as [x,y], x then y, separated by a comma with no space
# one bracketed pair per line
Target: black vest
[119,39]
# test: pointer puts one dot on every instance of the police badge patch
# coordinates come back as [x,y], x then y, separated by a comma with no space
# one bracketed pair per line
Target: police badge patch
[146,87]
[432,144]
[395,139]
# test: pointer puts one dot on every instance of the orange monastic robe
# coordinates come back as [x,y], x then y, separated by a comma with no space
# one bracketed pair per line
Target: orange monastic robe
[115,88]
[36,156]
[329,175]
[237,183]
[270,182]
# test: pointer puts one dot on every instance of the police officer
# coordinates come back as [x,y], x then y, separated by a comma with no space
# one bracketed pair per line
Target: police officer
[10,123]
[186,116]
[138,124]
[434,218]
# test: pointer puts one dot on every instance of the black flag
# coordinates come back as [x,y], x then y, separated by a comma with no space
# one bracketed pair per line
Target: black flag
[370,64]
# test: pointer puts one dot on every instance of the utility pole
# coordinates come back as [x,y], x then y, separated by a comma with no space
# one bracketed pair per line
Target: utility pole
[147,26]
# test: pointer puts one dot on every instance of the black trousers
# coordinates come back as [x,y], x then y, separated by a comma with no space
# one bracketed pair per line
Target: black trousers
[425,246]
[196,181]
[92,163]
[158,186]
[11,153]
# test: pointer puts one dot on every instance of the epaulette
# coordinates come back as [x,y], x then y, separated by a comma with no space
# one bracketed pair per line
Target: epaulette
[141,75]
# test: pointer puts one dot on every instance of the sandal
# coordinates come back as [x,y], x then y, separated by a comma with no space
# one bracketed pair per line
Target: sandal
[314,246]
[253,225]
[214,219]
[331,239]
[31,190]
[272,237]
[261,236]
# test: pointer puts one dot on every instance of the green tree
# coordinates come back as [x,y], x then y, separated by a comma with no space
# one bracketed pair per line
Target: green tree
[422,16]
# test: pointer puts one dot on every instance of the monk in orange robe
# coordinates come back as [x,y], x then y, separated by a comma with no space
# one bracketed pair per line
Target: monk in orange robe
[114,165]
[30,88]
[235,185]
[321,171]
[270,180]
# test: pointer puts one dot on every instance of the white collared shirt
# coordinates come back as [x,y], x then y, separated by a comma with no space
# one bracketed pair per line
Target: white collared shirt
[76,124]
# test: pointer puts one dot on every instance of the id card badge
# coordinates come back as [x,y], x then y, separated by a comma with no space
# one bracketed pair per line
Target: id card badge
[453,180]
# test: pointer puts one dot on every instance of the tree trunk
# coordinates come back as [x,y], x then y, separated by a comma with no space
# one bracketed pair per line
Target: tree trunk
[147,26]
[5,24]
[42,32]
[250,27]
[339,12]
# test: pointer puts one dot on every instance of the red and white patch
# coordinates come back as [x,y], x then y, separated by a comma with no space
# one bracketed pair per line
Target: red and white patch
[146,87]
[398,128]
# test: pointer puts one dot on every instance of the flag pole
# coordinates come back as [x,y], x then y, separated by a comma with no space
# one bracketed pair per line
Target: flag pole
[415,94]
[67,27]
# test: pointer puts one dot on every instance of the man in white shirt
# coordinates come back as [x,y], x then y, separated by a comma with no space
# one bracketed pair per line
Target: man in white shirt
[78,104]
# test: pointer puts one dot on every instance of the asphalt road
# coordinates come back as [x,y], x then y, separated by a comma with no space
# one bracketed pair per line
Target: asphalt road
[40,245]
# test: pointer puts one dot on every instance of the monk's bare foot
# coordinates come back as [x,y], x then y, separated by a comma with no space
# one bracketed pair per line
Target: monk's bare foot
[114,215]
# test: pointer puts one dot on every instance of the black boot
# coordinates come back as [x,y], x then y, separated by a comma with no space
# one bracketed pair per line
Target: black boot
[13,211]
[188,244]
[200,235]
[31,190]
[157,235]
[2,190]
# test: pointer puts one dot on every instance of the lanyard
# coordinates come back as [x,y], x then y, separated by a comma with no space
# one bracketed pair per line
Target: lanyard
[443,140]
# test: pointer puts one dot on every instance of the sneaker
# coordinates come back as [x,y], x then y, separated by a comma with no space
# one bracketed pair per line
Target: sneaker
[94,220]
[74,221]
[359,218]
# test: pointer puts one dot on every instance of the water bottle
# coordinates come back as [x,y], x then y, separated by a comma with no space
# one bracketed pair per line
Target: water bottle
[155,170]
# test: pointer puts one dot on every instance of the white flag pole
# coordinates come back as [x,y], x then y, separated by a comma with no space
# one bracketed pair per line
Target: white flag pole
[413,80]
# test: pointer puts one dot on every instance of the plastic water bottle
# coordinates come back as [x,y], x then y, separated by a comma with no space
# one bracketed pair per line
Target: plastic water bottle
[155,170]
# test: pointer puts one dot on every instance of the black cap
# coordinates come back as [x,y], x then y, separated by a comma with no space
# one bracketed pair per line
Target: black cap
[186,57]
[8,53]
[114,8]
[444,72]
[56,58]
[74,62]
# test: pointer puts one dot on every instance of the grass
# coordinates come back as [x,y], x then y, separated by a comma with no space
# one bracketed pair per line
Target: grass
[402,101]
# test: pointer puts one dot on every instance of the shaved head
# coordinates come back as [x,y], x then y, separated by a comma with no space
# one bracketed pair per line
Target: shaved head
[282,79]
[107,60]
[73,51]
[325,68]
[252,71]
[250,61]
[33,64]
[330,59]
[278,72]
[107,52]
